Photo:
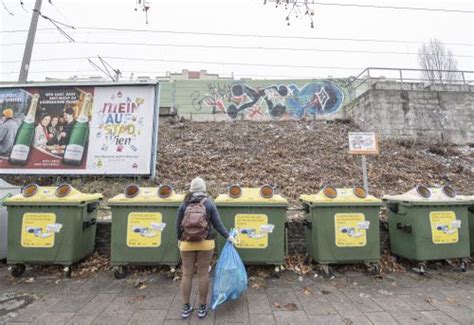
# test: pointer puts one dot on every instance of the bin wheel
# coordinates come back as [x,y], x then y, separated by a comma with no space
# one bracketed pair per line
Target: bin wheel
[67,271]
[120,272]
[463,266]
[17,270]
[276,272]
[327,271]
[421,269]
[172,272]
[307,260]
[375,269]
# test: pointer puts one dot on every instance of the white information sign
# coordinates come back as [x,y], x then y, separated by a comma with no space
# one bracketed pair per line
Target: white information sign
[363,143]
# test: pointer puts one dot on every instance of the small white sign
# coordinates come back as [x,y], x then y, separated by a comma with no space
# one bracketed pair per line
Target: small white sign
[363,225]
[158,226]
[267,229]
[363,143]
[55,227]
[456,223]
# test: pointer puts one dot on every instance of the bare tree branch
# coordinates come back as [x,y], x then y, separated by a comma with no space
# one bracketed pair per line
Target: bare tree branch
[438,62]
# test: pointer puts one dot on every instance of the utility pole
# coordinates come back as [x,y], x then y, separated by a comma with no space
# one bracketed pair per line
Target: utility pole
[25,64]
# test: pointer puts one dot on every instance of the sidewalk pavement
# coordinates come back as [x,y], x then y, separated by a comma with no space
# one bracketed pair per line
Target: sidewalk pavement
[445,297]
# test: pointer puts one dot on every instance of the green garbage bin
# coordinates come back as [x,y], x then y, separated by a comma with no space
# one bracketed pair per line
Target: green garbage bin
[50,225]
[259,221]
[470,210]
[427,224]
[143,228]
[342,226]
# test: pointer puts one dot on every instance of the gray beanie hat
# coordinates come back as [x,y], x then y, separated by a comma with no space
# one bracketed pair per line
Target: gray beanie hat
[197,185]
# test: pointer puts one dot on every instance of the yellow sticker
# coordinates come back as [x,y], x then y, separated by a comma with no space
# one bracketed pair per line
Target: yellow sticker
[252,230]
[144,229]
[351,229]
[38,230]
[444,227]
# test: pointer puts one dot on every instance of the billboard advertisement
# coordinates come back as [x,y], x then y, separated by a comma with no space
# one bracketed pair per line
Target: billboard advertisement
[79,129]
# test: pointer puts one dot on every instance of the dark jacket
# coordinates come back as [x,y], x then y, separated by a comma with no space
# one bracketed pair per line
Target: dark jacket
[8,131]
[212,215]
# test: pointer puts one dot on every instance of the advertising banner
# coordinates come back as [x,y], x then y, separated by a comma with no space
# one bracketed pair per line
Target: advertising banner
[78,129]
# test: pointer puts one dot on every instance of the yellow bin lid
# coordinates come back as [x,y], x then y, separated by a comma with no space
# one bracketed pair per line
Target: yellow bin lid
[147,195]
[345,196]
[46,195]
[437,196]
[251,196]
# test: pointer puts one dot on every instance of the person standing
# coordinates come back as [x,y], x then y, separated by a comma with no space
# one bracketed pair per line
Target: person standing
[54,131]
[42,136]
[8,130]
[197,218]
[69,124]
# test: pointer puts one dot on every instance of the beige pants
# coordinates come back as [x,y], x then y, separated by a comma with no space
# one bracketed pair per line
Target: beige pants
[199,261]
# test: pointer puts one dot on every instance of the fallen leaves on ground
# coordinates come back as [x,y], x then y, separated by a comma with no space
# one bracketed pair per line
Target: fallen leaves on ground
[289,306]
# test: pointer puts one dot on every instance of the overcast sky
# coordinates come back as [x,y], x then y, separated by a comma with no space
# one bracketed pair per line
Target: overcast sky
[242,56]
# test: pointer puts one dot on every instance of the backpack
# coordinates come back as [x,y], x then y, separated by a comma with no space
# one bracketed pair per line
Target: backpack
[195,224]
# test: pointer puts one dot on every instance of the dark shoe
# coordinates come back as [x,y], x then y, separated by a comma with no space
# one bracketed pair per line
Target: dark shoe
[202,312]
[187,311]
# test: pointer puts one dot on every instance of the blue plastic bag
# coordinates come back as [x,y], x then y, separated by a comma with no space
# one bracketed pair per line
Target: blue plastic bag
[230,277]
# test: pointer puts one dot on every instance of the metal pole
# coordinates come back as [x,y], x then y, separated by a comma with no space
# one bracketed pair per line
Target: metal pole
[364,174]
[401,78]
[25,64]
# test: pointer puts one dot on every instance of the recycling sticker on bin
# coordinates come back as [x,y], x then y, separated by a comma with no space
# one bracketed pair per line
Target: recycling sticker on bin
[253,230]
[144,229]
[38,230]
[351,229]
[444,227]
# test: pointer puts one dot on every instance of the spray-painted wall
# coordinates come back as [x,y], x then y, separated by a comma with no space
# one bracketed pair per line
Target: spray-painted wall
[255,99]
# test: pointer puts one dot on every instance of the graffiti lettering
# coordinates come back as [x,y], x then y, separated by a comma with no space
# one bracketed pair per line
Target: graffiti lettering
[215,98]
[317,98]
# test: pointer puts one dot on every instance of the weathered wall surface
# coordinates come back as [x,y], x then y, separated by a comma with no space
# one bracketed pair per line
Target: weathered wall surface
[434,114]
[255,99]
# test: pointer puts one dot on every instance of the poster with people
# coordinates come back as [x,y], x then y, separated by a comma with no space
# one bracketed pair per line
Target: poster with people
[78,129]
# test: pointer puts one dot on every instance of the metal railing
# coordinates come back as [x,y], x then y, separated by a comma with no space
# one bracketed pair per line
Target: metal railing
[407,75]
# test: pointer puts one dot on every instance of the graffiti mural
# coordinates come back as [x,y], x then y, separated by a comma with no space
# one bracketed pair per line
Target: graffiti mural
[215,98]
[243,101]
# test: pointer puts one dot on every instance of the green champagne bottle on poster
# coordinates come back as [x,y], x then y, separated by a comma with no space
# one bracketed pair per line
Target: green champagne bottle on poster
[24,136]
[74,152]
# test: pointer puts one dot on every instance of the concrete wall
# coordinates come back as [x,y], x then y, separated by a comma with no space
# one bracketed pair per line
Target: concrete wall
[436,113]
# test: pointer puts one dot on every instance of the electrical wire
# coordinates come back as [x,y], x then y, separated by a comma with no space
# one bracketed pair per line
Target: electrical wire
[357,5]
[193,61]
[205,46]
[131,30]
[58,25]
[6,9]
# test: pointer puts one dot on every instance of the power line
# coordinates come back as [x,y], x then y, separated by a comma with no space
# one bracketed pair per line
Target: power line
[225,47]
[195,62]
[52,71]
[337,4]
[131,30]
[223,77]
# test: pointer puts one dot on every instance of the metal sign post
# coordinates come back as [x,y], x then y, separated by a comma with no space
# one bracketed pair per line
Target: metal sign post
[363,143]
[364,174]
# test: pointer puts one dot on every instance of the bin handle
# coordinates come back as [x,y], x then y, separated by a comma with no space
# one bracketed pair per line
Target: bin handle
[307,224]
[92,206]
[306,207]
[89,223]
[404,227]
